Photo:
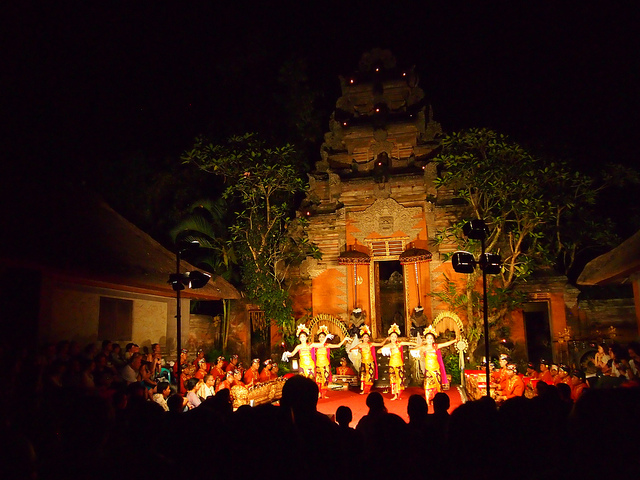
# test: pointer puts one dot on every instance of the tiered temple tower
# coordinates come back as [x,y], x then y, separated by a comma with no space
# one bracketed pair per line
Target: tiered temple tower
[373,209]
[372,201]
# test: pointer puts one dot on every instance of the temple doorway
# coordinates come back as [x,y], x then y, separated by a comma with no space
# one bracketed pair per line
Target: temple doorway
[538,332]
[389,283]
[260,335]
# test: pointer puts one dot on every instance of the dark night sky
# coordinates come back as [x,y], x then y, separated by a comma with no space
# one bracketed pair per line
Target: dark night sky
[82,81]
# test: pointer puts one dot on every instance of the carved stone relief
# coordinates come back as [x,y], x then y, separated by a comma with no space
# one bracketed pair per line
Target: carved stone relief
[386,216]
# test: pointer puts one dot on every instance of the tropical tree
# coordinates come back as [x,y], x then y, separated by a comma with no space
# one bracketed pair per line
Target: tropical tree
[261,183]
[206,223]
[529,205]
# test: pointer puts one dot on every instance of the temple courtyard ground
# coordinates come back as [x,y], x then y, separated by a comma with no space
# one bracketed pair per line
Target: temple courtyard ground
[356,402]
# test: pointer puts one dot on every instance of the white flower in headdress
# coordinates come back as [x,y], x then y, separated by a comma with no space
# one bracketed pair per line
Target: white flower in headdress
[430,330]
[302,328]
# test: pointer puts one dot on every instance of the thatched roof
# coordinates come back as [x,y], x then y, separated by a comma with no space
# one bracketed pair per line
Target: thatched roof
[75,236]
[615,266]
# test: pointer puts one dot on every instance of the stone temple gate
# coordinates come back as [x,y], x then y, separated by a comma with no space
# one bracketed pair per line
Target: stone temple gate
[374,209]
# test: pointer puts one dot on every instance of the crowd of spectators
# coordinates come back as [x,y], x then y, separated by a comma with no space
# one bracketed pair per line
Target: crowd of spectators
[613,366]
[86,413]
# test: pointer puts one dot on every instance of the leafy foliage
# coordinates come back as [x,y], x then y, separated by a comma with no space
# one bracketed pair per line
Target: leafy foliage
[206,223]
[260,184]
[452,366]
[532,208]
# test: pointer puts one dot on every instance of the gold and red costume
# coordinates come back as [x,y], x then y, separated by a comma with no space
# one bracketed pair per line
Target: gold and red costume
[396,369]
[546,377]
[578,390]
[530,382]
[183,378]
[307,365]
[203,369]
[434,372]
[228,383]
[251,377]
[501,378]
[346,370]
[323,367]
[514,388]
[266,375]
[368,367]
[187,373]
[218,372]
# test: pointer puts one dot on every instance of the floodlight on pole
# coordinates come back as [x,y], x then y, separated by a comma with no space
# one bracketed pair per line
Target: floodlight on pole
[490,264]
[180,281]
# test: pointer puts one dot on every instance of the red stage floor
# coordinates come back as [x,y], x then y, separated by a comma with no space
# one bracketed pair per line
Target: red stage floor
[356,402]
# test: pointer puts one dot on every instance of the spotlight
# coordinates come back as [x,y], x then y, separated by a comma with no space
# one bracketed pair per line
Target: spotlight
[197,279]
[490,263]
[463,262]
[476,229]
[179,281]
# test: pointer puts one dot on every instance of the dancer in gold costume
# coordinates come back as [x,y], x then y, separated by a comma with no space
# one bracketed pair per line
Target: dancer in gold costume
[434,374]
[396,361]
[323,359]
[368,363]
[305,351]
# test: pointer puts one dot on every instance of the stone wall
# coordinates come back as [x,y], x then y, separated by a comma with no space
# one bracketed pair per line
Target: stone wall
[204,332]
[596,318]
[239,341]
[71,312]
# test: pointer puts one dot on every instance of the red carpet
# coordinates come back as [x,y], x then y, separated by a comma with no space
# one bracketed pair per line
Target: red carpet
[356,402]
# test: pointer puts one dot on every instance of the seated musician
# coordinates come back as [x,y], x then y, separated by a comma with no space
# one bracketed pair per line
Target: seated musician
[227,382]
[188,372]
[514,385]
[218,370]
[267,372]
[202,367]
[237,379]
[344,369]
[564,375]
[578,384]
[252,376]
[553,369]
[545,374]
[499,377]
[233,363]
[530,380]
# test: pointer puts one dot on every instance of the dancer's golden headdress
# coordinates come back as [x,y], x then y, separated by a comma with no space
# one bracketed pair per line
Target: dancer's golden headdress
[302,328]
[430,330]
[364,330]
[394,329]
[323,329]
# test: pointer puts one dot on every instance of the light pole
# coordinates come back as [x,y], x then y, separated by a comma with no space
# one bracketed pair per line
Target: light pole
[489,263]
[180,281]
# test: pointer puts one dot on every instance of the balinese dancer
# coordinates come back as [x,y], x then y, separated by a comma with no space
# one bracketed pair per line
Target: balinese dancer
[321,352]
[305,351]
[396,361]
[368,362]
[434,373]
